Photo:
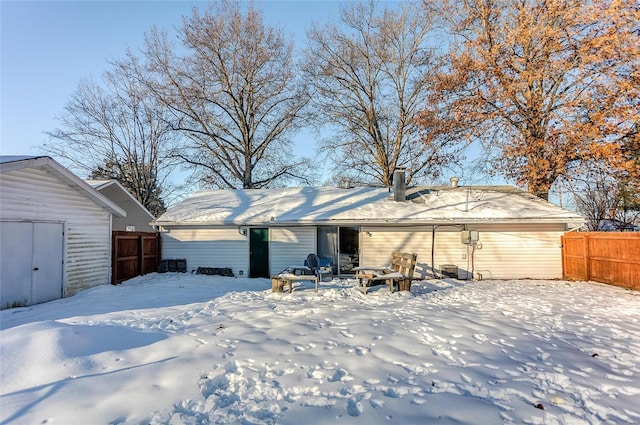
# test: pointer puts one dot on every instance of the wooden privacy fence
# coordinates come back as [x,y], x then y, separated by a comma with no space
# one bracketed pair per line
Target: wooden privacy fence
[605,257]
[134,254]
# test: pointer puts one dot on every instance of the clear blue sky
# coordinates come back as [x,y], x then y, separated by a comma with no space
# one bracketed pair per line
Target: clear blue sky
[47,47]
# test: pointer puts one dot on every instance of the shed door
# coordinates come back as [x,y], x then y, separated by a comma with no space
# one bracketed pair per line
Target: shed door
[47,262]
[16,244]
[259,252]
[30,263]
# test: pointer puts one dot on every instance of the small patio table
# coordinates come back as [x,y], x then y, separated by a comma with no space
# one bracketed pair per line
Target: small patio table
[291,274]
[364,274]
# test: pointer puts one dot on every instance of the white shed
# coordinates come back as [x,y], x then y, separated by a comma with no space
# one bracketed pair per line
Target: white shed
[55,234]
[498,232]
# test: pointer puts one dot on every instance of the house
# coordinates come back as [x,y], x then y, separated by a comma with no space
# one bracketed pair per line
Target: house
[138,218]
[615,225]
[55,234]
[497,232]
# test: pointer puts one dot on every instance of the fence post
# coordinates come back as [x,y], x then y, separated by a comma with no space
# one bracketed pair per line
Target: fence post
[114,256]
[564,273]
[158,250]
[587,264]
[140,254]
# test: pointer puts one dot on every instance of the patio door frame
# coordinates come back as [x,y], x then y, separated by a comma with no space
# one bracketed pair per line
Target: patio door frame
[339,245]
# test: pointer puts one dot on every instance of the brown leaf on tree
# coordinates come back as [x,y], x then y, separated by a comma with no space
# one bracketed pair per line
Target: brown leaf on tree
[546,85]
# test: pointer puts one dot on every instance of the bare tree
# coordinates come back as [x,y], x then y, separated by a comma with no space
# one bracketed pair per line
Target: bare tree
[117,130]
[371,73]
[233,90]
[606,199]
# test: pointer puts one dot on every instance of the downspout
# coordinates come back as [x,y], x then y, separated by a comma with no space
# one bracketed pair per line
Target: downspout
[469,260]
[473,264]
[433,251]
[111,253]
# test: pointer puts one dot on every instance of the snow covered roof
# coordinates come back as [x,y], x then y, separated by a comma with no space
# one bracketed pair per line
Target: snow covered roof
[360,205]
[14,163]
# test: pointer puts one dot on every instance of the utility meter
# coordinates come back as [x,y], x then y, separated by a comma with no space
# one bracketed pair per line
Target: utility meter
[470,236]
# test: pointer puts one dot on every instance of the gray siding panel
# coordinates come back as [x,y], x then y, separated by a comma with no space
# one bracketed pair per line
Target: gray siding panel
[35,195]
[207,247]
[136,216]
[290,246]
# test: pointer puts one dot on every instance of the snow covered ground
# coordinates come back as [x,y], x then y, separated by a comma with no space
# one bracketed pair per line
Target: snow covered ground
[189,349]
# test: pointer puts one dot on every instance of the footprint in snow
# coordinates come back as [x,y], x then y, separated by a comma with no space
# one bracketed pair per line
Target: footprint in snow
[490,366]
[480,338]
[354,407]
[376,403]
[346,334]
[315,374]
[465,378]
[361,351]
[543,356]
[395,392]
[340,375]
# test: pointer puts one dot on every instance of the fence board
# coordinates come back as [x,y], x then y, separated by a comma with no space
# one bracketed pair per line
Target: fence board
[605,257]
[134,254]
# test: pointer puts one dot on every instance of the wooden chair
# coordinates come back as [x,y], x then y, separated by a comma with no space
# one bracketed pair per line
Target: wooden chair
[400,274]
[405,263]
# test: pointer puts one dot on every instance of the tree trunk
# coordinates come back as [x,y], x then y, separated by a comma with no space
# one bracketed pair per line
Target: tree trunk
[540,188]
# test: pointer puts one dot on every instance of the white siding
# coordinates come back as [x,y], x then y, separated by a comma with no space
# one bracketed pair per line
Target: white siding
[290,246]
[377,244]
[507,252]
[510,252]
[36,195]
[450,250]
[207,247]
[226,247]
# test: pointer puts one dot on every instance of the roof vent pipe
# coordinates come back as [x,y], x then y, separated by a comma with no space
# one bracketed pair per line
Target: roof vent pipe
[454,181]
[399,185]
[346,183]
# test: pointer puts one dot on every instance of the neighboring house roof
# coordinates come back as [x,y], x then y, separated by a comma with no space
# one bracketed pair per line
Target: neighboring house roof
[332,205]
[101,185]
[617,226]
[14,163]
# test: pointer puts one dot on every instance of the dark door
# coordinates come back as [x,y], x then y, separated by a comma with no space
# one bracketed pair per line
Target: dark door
[259,252]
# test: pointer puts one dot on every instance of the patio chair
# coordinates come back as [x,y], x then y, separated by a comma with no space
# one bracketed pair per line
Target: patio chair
[313,262]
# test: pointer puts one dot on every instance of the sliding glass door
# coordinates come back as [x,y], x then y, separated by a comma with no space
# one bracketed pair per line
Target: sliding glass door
[339,246]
